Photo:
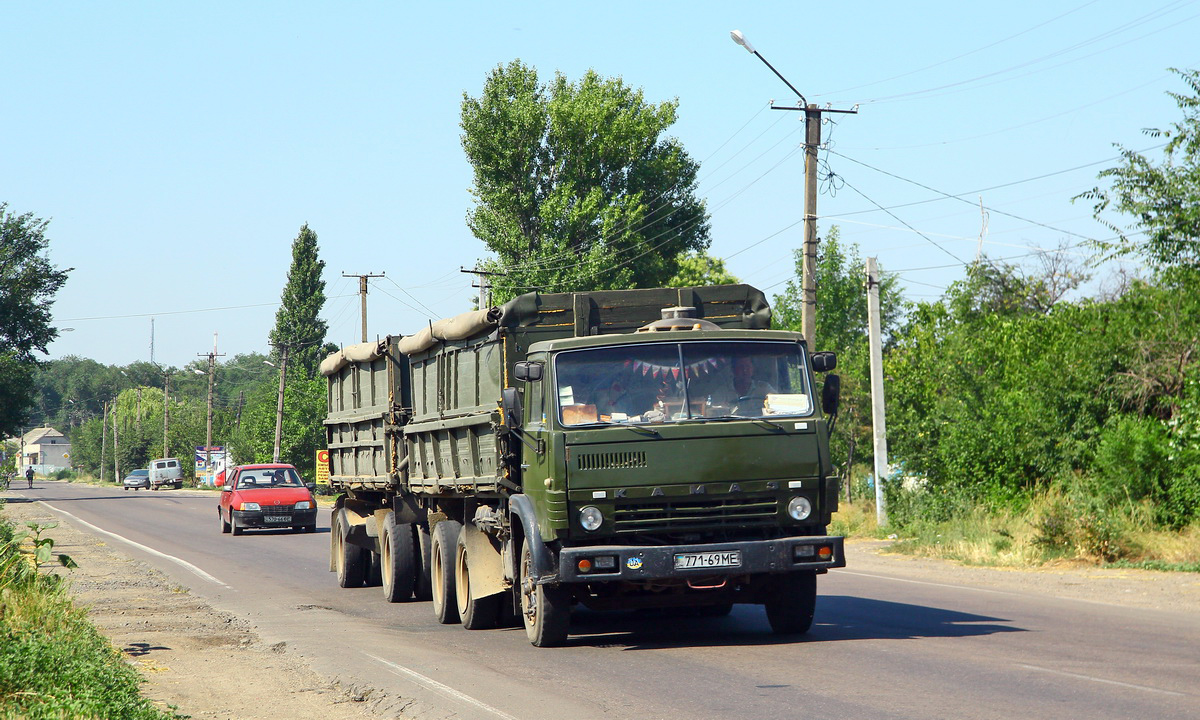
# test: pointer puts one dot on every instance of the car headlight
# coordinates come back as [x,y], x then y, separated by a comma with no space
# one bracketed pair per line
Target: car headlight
[591,518]
[250,506]
[303,505]
[799,508]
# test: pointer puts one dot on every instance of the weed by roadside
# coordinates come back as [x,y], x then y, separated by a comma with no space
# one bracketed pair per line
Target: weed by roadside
[53,661]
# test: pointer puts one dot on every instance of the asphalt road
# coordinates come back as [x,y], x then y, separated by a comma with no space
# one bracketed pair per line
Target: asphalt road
[883,646]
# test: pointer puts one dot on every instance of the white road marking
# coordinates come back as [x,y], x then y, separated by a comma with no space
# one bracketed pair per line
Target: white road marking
[1102,680]
[180,561]
[431,684]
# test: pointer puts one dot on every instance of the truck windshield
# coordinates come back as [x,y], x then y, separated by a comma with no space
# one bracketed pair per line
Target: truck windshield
[667,382]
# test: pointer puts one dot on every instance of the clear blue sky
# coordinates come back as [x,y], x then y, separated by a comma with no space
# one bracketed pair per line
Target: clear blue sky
[177,148]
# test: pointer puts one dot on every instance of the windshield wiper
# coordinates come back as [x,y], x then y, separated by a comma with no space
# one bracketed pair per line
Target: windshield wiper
[601,423]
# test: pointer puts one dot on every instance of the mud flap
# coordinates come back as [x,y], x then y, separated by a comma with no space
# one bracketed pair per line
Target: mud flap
[484,563]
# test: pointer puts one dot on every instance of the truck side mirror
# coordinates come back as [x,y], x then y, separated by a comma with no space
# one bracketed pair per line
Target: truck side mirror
[528,371]
[510,401]
[824,361]
[831,395]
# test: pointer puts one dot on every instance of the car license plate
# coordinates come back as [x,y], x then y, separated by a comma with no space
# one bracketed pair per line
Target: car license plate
[703,560]
[277,518]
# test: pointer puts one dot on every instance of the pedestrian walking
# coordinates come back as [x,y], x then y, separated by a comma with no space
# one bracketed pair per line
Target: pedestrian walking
[29,476]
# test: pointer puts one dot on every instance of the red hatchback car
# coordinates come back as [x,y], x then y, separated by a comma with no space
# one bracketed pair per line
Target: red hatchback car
[269,495]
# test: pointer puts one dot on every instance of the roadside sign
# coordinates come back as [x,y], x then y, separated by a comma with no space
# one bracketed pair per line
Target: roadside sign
[322,467]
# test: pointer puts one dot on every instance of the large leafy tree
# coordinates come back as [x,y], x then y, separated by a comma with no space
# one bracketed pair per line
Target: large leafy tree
[28,284]
[576,185]
[1164,198]
[298,324]
[701,269]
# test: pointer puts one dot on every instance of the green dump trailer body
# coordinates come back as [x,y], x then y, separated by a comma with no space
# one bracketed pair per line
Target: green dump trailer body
[624,469]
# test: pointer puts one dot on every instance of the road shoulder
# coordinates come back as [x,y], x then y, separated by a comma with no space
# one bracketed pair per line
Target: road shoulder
[1122,587]
[204,662]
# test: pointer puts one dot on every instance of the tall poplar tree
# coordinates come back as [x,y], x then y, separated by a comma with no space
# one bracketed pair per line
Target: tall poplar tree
[298,324]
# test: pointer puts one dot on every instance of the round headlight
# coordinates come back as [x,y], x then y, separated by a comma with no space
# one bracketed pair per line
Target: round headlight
[799,508]
[591,518]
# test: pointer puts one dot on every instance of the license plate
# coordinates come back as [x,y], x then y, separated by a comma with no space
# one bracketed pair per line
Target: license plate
[702,560]
[277,518]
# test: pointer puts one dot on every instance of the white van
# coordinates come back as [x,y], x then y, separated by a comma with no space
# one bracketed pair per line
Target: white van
[164,472]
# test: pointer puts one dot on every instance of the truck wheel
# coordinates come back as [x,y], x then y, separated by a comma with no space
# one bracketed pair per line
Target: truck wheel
[224,525]
[351,560]
[476,613]
[791,602]
[546,609]
[396,559]
[423,587]
[441,570]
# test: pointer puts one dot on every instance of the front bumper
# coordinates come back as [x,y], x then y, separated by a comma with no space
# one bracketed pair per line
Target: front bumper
[637,563]
[257,518]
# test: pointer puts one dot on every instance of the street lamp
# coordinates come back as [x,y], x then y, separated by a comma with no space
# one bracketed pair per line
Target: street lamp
[812,141]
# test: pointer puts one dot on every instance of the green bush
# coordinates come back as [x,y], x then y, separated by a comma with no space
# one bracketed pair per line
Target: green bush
[53,662]
[1132,459]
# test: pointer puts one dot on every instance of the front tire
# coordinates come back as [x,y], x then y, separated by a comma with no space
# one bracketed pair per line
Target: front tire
[545,609]
[224,525]
[397,559]
[476,613]
[791,602]
[441,559]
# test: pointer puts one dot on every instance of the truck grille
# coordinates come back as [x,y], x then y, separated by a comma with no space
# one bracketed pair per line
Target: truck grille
[277,509]
[687,514]
[612,460]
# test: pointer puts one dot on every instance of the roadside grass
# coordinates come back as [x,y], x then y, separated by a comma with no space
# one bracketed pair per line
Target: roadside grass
[1055,526]
[53,661]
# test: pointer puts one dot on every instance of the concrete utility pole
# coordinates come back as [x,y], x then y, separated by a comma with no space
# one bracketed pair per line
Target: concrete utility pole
[812,142]
[116,455]
[166,413]
[362,291]
[103,440]
[485,285]
[279,405]
[212,368]
[878,418]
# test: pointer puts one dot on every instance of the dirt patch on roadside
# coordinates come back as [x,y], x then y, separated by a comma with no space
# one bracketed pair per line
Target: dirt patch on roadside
[201,661]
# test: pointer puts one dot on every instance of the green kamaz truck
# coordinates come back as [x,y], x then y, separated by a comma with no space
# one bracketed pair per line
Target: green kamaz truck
[656,448]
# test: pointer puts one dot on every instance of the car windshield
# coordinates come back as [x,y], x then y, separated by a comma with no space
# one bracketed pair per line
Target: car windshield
[268,477]
[139,473]
[666,382]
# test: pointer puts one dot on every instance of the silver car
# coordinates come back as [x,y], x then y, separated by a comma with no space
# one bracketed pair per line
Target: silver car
[138,480]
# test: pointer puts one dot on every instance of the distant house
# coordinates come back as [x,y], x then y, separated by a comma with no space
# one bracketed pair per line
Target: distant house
[46,449]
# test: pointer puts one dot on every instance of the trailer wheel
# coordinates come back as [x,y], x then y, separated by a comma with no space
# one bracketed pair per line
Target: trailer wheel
[423,587]
[791,602]
[546,609]
[476,613]
[396,559]
[351,560]
[441,570]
